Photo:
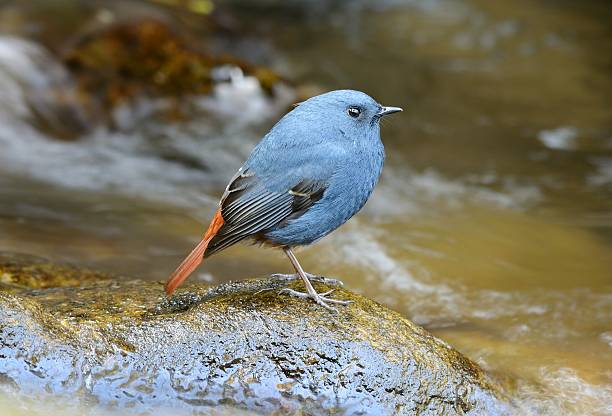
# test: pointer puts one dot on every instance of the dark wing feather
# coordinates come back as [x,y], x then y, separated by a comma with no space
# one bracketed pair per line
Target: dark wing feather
[305,194]
[249,208]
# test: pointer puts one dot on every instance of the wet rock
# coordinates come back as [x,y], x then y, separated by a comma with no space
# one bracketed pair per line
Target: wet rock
[148,58]
[123,345]
[23,271]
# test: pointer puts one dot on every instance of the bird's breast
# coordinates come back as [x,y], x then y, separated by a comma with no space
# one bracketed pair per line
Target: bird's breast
[357,179]
[347,191]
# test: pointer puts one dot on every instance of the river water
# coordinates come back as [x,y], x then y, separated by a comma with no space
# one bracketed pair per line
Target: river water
[492,223]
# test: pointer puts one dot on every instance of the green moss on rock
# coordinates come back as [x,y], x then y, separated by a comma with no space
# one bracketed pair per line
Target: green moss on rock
[26,271]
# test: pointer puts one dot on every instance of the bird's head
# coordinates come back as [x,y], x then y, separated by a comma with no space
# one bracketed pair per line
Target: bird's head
[348,111]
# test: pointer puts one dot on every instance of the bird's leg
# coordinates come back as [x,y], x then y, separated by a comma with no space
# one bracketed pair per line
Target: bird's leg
[319,298]
[312,277]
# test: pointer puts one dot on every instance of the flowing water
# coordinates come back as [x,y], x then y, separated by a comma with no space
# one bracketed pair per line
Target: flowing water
[492,223]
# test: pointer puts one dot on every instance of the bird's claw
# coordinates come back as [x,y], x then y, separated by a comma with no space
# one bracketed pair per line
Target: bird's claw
[319,298]
[314,278]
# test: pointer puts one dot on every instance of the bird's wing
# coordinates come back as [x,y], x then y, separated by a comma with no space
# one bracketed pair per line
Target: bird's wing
[282,178]
[249,206]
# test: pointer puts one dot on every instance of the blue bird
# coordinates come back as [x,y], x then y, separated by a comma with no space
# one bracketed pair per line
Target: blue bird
[313,171]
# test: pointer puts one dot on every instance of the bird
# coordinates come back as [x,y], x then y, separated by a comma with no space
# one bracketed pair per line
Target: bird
[309,174]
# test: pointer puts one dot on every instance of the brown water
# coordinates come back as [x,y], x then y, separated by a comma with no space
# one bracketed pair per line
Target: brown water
[491,226]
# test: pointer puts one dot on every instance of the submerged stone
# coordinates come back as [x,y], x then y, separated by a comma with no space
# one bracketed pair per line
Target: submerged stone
[122,345]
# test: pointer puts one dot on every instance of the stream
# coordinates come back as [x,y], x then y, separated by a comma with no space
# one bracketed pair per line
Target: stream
[491,225]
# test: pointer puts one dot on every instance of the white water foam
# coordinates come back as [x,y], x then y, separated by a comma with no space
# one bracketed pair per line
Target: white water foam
[404,192]
[363,246]
[561,391]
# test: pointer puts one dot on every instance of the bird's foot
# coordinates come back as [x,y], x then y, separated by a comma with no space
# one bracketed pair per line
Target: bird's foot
[320,298]
[311,277]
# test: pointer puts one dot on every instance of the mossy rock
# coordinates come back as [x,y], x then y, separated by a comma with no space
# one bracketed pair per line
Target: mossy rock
[129,59]
[23,271]
[122,345]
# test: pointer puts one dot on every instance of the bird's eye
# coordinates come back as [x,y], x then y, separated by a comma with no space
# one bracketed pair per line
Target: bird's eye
[353,112]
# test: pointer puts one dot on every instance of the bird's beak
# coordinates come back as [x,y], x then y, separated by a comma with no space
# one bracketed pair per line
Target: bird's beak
[388,110]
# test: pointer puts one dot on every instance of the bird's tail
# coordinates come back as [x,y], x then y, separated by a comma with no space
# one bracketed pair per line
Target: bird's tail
[196,256]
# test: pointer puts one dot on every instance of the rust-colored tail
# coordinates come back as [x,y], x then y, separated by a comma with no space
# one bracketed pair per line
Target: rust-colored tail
[196,256]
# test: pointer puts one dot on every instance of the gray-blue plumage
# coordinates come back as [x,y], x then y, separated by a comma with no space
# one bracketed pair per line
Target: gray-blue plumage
[313,171]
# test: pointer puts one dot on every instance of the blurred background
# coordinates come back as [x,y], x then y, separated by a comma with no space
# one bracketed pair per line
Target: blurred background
[121,122]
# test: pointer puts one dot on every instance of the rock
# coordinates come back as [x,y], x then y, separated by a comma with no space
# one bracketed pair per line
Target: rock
[22,271]
[122,345]
[151,69]
[147,57]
